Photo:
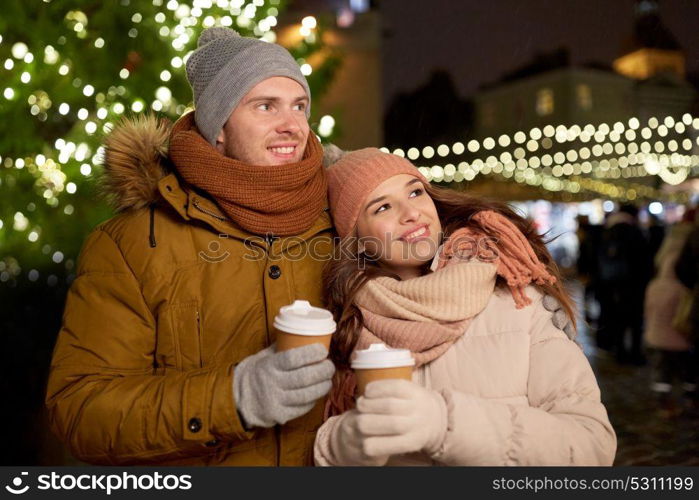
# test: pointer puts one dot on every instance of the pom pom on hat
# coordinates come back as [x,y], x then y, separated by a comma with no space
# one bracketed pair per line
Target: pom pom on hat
[211,34]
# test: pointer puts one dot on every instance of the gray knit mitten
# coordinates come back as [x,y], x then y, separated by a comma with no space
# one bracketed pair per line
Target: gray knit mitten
[560,319]
[274,387]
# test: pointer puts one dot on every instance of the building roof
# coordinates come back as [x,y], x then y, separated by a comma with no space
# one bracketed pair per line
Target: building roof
[649,32]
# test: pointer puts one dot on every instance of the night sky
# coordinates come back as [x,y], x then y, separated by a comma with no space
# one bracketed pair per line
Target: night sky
[478,41]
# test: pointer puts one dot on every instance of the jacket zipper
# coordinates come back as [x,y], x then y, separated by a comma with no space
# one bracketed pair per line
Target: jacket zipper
[199,339]
[208,212]
[269,239]
[278,433]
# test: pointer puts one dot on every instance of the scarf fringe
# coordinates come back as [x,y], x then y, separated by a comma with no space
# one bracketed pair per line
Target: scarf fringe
[516,260]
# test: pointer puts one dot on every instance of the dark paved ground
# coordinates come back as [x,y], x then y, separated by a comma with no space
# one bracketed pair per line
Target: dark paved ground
[647,434]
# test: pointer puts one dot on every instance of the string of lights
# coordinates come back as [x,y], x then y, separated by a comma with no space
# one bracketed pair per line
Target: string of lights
[599,152]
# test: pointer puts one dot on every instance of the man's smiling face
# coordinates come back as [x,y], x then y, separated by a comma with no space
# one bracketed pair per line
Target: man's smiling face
[269,125]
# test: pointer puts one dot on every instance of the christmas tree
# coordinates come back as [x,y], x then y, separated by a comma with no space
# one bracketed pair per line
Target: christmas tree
[70,71]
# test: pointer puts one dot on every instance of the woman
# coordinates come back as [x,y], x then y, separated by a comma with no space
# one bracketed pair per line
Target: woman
[670,349]
[446,275]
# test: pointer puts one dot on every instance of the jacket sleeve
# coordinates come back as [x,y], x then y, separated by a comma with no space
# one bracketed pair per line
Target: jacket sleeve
[104,398]
[322,449]
[565,422]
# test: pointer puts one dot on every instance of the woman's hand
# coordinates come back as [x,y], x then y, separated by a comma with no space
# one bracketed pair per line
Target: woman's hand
[347,443]
[398,416]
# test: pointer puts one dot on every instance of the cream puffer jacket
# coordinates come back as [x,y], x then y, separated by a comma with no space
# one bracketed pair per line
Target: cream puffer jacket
[518,392]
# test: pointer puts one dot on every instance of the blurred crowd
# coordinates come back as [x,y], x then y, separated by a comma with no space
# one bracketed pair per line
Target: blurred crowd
[642,297]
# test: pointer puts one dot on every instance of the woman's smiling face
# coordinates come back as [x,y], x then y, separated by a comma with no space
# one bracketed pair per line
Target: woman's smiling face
[398,226]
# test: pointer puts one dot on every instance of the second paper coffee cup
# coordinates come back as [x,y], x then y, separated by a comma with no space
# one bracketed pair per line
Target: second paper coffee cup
[301,324]
[380,362]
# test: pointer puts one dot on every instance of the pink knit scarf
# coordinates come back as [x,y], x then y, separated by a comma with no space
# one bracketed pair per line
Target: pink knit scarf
[427,314]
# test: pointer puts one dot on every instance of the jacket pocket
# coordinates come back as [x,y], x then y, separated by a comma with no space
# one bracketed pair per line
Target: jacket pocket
[185,326]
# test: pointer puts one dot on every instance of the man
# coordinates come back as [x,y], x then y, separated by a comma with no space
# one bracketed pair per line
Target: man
[166,352]
[625,268]
[589,239]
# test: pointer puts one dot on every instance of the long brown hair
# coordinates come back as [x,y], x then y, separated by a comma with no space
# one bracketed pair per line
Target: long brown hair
[347,272]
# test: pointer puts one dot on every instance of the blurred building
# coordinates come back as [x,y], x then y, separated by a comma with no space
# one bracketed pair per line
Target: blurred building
[352,30]
[647,80]
[652,49]
[435,112]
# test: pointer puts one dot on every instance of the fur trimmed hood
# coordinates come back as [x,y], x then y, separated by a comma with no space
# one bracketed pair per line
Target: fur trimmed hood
[136,159]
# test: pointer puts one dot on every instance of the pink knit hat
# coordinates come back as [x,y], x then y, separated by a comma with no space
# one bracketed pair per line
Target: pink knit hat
[354,176]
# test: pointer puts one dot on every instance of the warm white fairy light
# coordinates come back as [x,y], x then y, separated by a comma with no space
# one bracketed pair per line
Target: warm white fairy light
[326,126]
[19,50]
[137,106]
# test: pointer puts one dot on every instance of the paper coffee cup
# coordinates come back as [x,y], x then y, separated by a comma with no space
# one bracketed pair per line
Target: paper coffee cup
[380,362]
[301,324]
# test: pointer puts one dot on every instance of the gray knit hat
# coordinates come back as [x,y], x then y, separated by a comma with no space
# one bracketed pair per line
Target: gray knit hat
[225,66]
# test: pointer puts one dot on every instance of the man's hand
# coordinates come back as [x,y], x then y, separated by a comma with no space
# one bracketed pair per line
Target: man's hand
[398,416]
[272,388]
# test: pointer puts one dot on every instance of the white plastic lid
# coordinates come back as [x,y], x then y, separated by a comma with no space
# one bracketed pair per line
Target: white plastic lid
[381,356]
[301,318]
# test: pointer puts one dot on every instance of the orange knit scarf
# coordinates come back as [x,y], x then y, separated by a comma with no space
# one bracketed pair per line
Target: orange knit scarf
[282,200]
